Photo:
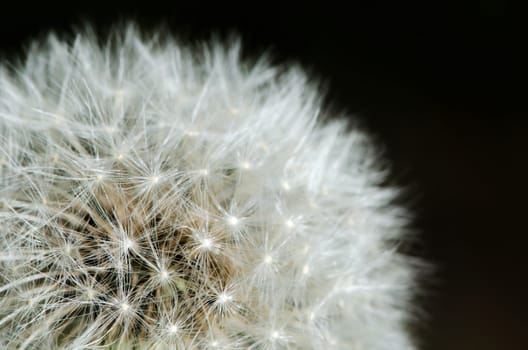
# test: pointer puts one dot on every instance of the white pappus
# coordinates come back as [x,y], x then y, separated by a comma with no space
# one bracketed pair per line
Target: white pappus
[160,196]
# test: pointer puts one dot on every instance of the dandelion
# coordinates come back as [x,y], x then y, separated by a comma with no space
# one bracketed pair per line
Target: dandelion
[158,196]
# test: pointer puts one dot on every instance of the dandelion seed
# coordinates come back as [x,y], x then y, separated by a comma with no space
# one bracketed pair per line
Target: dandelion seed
[268,259]
[68,249]
[128,244]
[233,221]
[224,298]
[206,243]
[275,335]
[90,294]
[125,307]
[263,146]
[245,165]
[164,275]
[173,329]
[119,92]
[191,133]
[110,129]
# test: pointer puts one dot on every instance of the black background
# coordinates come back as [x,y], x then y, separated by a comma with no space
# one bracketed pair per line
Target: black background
[441,85]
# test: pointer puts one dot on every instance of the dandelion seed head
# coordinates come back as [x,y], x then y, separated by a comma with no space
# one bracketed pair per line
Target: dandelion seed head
[161,208]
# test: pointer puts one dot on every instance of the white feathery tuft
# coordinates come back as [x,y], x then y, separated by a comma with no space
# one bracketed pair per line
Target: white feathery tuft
[157,196]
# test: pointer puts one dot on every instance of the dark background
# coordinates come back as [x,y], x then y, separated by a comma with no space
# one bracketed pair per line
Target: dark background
[442,86]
